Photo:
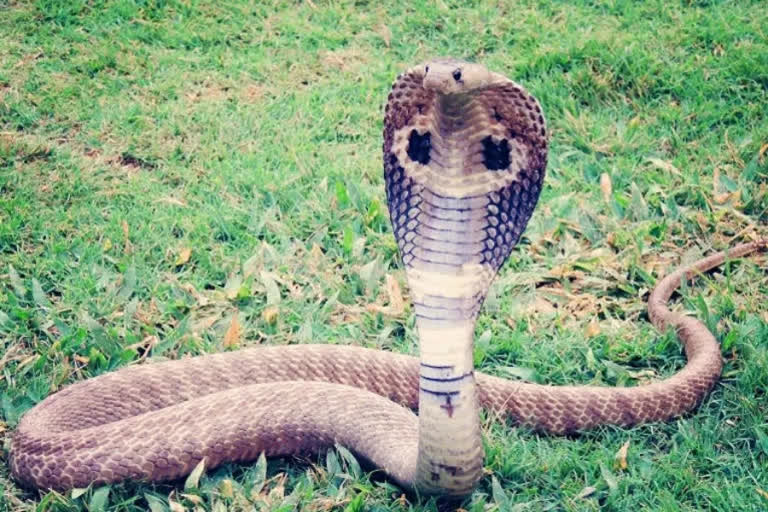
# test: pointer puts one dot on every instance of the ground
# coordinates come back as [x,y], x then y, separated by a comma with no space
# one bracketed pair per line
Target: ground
[182,177]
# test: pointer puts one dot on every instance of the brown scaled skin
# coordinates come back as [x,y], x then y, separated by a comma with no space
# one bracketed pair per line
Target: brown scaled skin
[99,423]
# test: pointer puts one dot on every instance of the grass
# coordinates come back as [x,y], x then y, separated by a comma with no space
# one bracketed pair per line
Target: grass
[168,166]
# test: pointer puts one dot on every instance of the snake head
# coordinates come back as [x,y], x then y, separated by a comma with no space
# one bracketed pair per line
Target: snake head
[452,76]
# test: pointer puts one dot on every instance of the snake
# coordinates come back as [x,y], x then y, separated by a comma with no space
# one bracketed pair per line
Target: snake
[464,157]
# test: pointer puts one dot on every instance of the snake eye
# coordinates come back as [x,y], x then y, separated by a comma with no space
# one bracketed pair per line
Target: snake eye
[457,75]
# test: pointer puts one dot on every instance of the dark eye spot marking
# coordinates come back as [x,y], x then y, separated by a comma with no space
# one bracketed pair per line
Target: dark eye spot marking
[496,115]
[495,156]
[426,69]
[420,145]
[457,75]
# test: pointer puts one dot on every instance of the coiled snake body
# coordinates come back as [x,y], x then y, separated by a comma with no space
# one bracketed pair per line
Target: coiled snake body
[464,158]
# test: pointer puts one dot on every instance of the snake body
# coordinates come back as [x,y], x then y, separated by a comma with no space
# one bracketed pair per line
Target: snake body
[464,159]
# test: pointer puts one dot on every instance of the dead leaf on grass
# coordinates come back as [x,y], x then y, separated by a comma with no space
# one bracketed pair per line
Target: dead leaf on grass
[702,221]
[193,480]
[202,300]
[226,488]
[643,376]
[251,93]
[606,187]
[565,271]
[147,314]
[620,459]
[345,59]
[128,246]
[232,336]
[183,256]
[344,314]
[194,498]
[538,306]
[269,315]
[583,305]
[145,345]
[592,329]
[172,200]
[84,360]
[717,196]
[278,491]
[586,492]
[666,166]
[269,281]
[205,323]
[209,92]
[175,506]
[385,34]
[396,305]
[28,360]
[761,153]
[316,252]
[232,286]
[396,302]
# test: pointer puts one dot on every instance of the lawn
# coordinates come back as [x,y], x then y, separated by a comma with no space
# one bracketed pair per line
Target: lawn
[185,177]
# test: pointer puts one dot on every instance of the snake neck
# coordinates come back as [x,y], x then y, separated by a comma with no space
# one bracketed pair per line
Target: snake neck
[450,453]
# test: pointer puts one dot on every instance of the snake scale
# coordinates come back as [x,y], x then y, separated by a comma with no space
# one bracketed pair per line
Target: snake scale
[465,152]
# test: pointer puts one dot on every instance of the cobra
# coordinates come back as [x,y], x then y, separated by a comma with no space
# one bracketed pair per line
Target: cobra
[465,153]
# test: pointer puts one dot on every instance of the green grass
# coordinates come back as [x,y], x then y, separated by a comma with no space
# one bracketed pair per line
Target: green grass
[166,165]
